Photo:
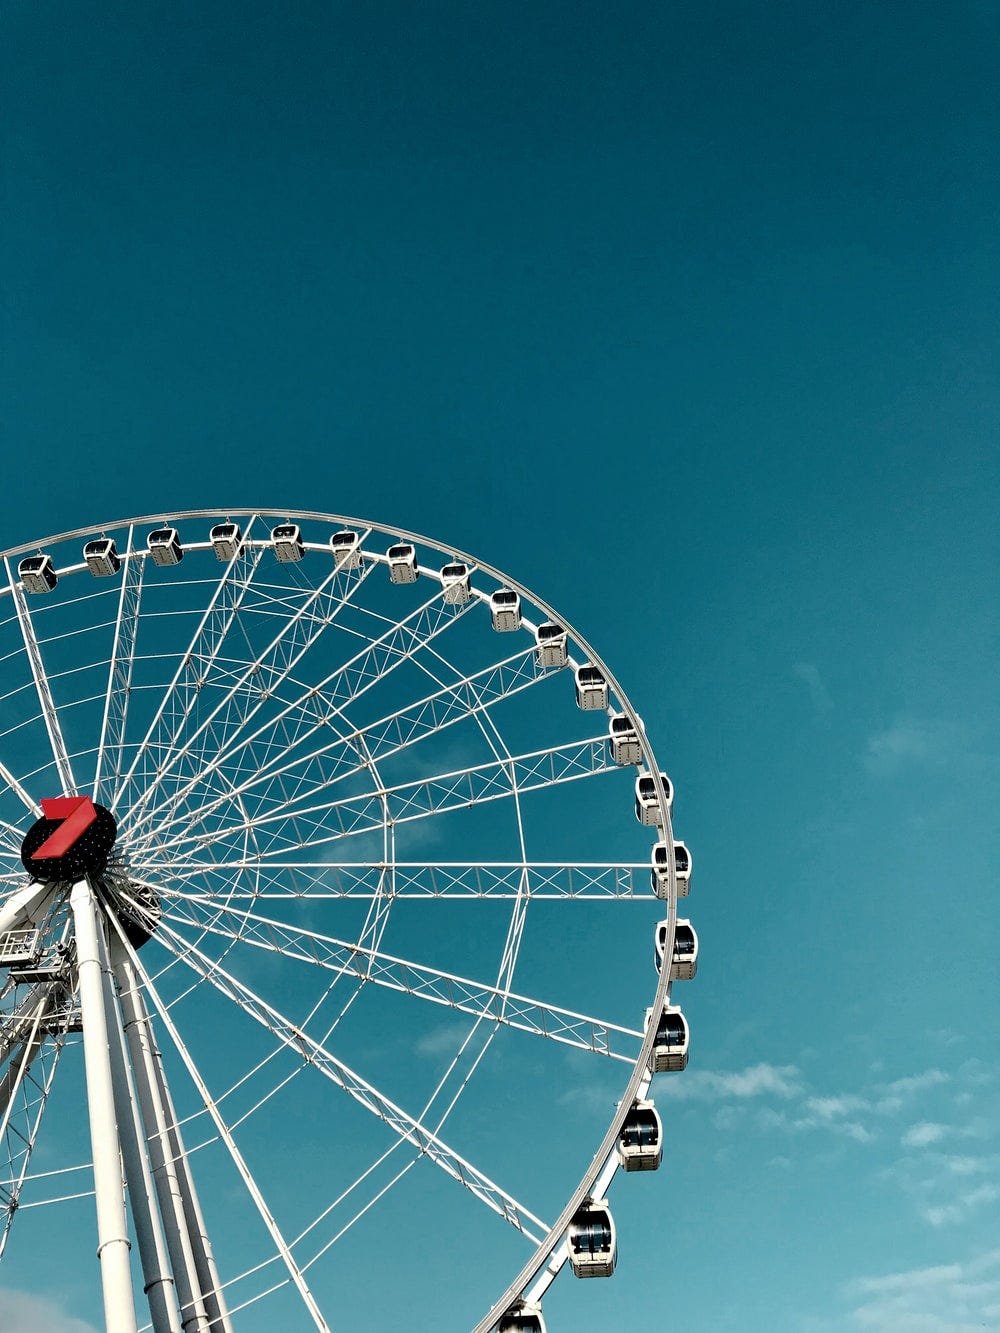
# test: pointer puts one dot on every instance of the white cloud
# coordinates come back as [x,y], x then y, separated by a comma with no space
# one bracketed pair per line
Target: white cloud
[945,1298]
[21,1312]
[967,1166]
[755,1081]
[908,742]
[924,1134]
[833,1108]
[950,1214]
[891,1096]
[445,1039]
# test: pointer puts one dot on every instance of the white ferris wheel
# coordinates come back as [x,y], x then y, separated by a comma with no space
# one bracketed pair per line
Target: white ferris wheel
[332,866]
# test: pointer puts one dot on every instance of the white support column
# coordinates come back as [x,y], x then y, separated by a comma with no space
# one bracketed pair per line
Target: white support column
[202,1305]
[158,1284]
[112,1229]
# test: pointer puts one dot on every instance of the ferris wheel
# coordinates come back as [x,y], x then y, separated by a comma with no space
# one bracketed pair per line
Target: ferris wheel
[332,866]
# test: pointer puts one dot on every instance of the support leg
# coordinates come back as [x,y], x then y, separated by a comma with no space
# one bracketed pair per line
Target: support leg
[202,1303]
[113,1243]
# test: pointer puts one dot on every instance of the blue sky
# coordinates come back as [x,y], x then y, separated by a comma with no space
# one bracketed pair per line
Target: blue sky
[686,317]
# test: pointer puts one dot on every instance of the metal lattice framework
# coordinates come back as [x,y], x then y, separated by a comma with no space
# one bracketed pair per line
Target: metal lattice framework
[372,937]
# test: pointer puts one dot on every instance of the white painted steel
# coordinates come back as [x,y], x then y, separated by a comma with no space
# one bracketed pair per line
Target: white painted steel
[113,1243]
[158,1284]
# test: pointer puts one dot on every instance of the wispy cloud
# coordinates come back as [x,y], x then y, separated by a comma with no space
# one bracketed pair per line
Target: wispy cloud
[809,674]
[906,743]
[945,1298]
[445,1039]
[924,1134]
[755,1081]
[892,1096]
[21,1312]
[961,1207]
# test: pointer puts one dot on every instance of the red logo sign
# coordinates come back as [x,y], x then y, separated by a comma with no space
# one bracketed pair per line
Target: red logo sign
[77,814]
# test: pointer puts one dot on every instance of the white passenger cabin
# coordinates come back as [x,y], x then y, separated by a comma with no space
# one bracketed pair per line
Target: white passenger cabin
[505,608]
[287,541]
[684,965]
[625,746]
[647,806]
[659,874]
[591,688]
[346,548]
[102,557]
[455,582]
[165,546]
[550,639]
[670,1047]
[591,1242]
[640,1142]
[36,573]
[522,1317]
[226,539]
[402,563]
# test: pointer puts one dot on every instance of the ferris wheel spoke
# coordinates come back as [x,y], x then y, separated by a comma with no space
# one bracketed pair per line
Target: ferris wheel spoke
[363,1092]
[10,841]
[245,689]
[251,687]
[468,698]
[174,709]
[38,673]
[310,826]
[519,913]
[21,793]
[319,881]
[107,770]
[495,1004]
[319,706]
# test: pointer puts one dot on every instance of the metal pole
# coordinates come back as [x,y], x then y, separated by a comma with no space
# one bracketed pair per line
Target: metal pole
[158,1284]
[215,1301]
[194,1317]
[112,1230]
[204,1259]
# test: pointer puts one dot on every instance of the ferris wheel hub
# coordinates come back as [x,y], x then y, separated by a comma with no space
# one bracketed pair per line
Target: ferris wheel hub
[73,838]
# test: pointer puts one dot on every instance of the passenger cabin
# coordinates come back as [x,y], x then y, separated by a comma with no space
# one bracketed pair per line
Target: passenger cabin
[226,539]
[102,557]
[522,1317]
[505,608]
[640,1143]
[402,563]
[625,746]
[590,1240]
[36,573]
[346,548]
[165,546]
[550,639]
[286,539]
[670,1047]
[591,688]
[684,965]
[647,805]
[455,582]
[658,875]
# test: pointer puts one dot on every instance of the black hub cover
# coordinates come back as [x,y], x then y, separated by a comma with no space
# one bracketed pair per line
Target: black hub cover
[86,853]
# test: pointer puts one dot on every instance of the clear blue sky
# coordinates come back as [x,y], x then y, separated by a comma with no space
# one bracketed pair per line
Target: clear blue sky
[686,316]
